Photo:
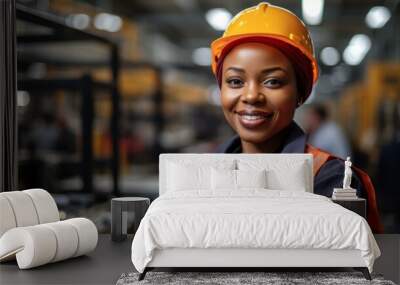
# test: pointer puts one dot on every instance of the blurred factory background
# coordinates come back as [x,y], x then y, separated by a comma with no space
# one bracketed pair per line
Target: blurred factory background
[105,86]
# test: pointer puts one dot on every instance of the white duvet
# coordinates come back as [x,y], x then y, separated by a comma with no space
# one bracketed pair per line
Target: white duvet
[256,218]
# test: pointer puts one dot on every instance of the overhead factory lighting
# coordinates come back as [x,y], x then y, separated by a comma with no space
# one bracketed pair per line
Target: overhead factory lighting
[329,56]
[312,11]
[358,47]
[218,18]
[108,22]
[202,56]
[23,98]
[78,21]
[377,17]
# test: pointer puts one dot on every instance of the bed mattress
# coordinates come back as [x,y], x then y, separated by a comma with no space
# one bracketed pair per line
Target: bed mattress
[252,218]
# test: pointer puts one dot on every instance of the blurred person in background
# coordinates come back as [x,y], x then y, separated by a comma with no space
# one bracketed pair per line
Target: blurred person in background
[389,161]
[49,139]
[44,134]
[50,132]
[265,67]
[324,133]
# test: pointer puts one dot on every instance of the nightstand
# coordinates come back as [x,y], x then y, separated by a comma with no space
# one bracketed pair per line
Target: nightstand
[357,205]
[136,207]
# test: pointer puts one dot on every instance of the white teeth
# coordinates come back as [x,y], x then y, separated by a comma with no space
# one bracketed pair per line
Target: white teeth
[252,117]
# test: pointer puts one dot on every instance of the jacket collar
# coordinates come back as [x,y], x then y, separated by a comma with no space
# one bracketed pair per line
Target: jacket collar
[295,142]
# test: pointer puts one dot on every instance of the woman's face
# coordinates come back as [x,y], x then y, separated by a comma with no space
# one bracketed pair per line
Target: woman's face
[258,91]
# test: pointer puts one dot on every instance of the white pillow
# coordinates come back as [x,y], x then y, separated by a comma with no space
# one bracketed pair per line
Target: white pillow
[181,178]
[292,179]
[222,179]
[185,174]
[289,174]
[251,178]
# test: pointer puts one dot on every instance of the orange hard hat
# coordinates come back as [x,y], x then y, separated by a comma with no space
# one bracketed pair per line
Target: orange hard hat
[270,22]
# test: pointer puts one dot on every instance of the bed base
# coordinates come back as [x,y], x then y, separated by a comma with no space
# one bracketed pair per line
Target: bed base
[363,270]
[243,259]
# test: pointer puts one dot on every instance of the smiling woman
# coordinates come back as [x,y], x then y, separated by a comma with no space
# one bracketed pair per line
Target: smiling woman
[265,66]
[259,95]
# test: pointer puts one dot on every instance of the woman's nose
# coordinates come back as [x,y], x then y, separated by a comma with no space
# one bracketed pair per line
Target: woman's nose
[252,95]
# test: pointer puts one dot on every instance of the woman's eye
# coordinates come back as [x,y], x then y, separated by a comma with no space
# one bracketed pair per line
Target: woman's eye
[234,83]
[273,83]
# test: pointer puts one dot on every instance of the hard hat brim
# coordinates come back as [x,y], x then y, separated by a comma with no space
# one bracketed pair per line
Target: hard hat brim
[218,46]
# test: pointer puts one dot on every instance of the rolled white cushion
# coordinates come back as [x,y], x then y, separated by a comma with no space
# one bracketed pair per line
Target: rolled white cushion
[33,245]
[87,235]
[23,208]
[7,218]
[67,240]
[40,244]
[45,205]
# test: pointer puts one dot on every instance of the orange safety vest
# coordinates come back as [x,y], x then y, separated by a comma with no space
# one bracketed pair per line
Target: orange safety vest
[320,157]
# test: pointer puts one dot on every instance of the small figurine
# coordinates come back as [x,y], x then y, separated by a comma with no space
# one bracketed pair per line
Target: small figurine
[345,193]
[347,174]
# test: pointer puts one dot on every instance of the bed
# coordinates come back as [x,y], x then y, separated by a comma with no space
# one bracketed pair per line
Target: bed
[247,210]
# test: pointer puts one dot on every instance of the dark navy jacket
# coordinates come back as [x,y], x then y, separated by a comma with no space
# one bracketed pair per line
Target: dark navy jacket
[329,176]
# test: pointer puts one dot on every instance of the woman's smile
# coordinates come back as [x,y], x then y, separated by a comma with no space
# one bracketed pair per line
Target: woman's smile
[254,119]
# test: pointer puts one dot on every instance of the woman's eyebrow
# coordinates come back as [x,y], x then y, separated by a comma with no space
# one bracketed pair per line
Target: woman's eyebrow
[272,69]
[237,69]
[264,71]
